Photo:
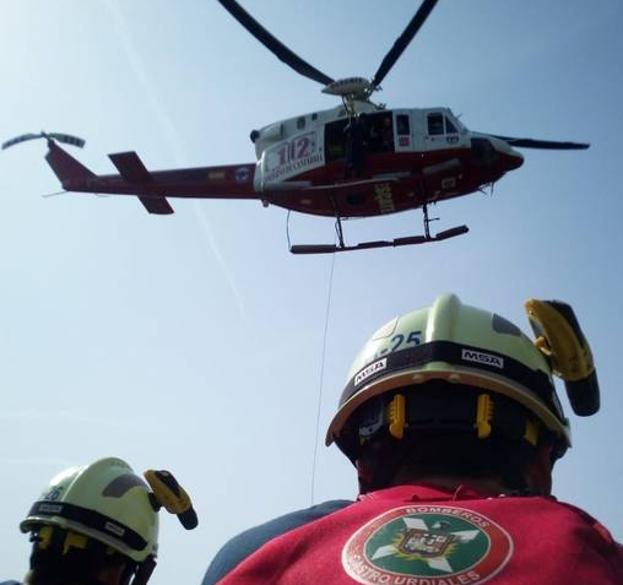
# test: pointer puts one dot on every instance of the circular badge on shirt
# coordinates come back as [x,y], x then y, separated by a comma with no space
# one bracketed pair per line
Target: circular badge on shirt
[427,545]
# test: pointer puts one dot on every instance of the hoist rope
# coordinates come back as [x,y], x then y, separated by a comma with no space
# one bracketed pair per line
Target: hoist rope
[321,378]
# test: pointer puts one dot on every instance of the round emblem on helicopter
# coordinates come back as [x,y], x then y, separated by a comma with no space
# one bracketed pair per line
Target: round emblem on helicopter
[242,174]
[427,545]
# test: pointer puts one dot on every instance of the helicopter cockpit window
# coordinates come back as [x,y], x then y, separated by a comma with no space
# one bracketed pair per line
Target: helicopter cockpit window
[300,122]
[435,124]
[450,127]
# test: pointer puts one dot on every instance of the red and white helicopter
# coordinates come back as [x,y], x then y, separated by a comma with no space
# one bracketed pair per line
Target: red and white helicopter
[355,160]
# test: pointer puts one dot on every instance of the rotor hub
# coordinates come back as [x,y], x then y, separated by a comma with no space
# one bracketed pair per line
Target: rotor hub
[354,87]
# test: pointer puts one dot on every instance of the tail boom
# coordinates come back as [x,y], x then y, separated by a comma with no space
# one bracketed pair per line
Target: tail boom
[152,188]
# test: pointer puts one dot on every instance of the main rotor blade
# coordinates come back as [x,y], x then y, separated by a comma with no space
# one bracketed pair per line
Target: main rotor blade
[544,144]
[403,41]
[273,44]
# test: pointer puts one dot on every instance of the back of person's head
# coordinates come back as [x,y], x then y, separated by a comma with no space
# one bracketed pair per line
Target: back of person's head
[64,557]
[98,525]
[454,391]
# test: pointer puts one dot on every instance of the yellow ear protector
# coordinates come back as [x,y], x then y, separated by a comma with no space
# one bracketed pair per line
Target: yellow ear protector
[168,493]
[560,339]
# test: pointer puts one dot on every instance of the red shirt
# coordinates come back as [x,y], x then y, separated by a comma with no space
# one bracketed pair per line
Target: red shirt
[419,535]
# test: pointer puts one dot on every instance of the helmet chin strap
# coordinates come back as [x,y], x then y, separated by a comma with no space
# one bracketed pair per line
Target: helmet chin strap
[143,572]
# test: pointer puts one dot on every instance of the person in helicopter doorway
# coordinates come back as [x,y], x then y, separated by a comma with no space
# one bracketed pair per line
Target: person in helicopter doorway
[356,146]
[451,418]
[98,525]
[381,134]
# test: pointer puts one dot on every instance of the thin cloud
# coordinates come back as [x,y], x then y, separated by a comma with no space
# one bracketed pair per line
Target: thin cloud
[55,462]
[136,65]
[203,220]
[169,130]
[63,415]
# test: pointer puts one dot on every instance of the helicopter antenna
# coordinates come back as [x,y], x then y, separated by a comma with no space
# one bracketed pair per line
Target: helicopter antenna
[46,195]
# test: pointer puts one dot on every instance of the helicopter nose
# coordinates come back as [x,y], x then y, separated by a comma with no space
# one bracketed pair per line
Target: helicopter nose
[513,158]
[518,159]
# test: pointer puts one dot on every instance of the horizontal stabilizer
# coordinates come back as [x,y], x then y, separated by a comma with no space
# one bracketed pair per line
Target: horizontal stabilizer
[159,206]
[132,169]
[130,166]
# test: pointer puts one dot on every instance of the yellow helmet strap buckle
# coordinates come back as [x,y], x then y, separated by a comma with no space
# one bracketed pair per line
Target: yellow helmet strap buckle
[74,557]
[62,541]
[441,409]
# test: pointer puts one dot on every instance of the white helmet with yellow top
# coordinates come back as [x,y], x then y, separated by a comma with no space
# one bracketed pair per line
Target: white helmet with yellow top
[103,509]
[468,349]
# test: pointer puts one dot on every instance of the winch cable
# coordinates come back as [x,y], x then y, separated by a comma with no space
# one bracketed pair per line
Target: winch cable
[321,379]
[288,229]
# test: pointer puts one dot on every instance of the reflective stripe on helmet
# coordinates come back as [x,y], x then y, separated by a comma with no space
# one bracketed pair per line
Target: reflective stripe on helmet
[535,381]
[44,510]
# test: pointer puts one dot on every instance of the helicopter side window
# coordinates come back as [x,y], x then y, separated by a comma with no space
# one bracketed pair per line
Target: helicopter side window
[450,127]
[300,123]
[435,124]
[402,125]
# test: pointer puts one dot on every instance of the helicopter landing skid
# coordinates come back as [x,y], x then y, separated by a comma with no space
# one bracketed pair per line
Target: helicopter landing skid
[408,241]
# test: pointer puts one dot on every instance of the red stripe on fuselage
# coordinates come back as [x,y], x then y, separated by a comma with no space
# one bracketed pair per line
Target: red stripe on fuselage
[427,181]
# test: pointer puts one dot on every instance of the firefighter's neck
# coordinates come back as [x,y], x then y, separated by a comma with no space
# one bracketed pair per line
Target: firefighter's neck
[490,486]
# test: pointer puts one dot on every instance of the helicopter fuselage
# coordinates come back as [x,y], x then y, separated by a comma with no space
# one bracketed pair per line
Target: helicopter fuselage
[358,160]
[396,160]
[325,163]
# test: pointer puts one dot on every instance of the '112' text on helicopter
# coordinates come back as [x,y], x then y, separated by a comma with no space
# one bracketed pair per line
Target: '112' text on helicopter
[355,160]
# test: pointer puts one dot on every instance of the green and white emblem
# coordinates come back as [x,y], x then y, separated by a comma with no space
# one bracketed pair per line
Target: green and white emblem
[427,545]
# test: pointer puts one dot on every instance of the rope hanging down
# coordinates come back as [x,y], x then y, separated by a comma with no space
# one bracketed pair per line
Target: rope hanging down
[321,379]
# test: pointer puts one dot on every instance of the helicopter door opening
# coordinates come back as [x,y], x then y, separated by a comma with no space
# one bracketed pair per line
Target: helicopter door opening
[380,128]
[335,140]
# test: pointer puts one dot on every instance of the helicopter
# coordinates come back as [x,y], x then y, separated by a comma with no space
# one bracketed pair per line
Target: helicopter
[356,160]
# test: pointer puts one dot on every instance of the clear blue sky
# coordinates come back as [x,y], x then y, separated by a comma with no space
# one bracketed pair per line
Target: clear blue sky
[193,342]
